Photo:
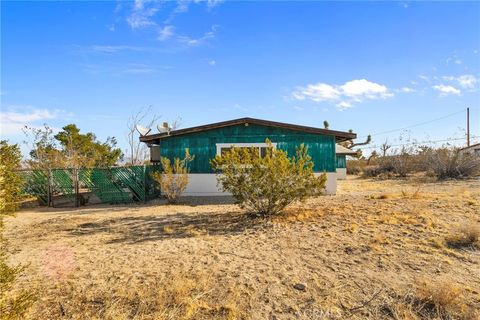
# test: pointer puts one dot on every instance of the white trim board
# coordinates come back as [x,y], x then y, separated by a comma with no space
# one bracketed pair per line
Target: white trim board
[205,184]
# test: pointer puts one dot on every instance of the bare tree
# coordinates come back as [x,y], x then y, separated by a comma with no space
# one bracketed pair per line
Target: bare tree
[175,124]
[138,150]
[384,147]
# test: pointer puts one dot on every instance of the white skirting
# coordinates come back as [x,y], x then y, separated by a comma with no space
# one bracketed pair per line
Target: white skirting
[205,184]
[341,173]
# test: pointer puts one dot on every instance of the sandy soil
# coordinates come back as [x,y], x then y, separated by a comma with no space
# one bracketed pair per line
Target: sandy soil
[358,253]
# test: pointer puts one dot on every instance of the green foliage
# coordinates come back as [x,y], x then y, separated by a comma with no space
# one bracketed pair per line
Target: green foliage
[10,181]
[70,148]
[266,185]
[44,152]
[83,150]
[173,179]
[13,305]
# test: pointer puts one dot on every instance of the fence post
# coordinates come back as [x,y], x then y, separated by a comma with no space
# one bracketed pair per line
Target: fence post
[75,182]
[50,192]
[144,183]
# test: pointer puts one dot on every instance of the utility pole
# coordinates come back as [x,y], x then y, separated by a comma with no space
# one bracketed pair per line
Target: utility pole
[468,127]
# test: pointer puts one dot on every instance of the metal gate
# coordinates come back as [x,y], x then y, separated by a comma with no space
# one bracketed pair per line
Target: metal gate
[67,187]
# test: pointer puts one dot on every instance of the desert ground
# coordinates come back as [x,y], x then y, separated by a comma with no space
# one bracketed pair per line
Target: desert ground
[377,250]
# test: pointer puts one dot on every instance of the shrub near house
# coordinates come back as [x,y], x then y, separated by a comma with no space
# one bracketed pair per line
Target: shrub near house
[266,184]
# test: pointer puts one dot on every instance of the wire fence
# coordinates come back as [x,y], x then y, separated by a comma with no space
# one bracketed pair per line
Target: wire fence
[76,187]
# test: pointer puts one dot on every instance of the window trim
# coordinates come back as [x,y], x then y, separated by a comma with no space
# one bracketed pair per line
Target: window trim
[243,145]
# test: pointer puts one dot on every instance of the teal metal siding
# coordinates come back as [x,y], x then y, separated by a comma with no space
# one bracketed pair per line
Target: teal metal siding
[203,144]
[341,161]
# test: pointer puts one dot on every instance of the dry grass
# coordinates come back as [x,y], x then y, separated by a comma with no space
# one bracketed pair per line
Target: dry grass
[467,235]
[360,254]
[172,296]
[439,299]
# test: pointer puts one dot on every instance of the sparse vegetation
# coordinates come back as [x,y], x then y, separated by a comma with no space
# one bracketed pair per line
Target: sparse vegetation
[267,185]
[377,250]
[448,163]
[441,163]
[173,179]
[467,235]
[175,295]
[442,299]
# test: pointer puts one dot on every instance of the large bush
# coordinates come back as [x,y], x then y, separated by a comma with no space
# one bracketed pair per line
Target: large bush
[10,181]
[447,163]
[266,185]
[13,303]
[173,179]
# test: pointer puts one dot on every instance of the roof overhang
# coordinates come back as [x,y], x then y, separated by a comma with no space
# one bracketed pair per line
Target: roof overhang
[339,135]
[344,151]
[473,146]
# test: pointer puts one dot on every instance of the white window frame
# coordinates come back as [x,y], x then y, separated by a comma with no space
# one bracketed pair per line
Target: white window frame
[243,145]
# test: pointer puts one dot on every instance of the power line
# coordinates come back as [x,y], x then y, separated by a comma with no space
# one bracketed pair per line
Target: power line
[418,143]
[416,125]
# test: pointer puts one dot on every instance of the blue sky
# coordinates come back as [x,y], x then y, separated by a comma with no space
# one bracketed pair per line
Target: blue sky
[368,66]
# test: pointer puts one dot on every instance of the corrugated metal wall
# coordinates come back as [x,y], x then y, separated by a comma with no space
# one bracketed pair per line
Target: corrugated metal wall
[341,161]
[203,144]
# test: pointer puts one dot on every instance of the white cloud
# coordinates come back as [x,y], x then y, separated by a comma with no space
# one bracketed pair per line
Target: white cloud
[142,14]
[12,122]
[446,90]
[466,81]
[407,90]
[317,92]
[345,95]
[360,89]
[425,78]
[213,3]
[138,69]
[344,105]
[116,69]
[298,108]
[198,41]
[166,33]
[212,62]
[115,49]
[454,59]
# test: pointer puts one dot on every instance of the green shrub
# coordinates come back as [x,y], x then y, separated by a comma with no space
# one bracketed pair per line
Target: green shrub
[266,185]
[13,303]
[10,181]
[173,179]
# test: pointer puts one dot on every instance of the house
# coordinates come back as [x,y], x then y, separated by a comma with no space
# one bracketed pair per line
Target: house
[341,160]
[206,141]
[473,149]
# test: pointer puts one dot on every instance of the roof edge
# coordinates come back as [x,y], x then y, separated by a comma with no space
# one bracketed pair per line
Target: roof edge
[339,135]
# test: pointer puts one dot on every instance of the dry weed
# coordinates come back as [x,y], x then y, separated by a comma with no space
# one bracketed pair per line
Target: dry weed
[442,298]
[467,235]
[429,299]
[177,296]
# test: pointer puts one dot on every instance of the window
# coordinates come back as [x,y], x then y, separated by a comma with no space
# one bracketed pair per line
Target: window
[262,147]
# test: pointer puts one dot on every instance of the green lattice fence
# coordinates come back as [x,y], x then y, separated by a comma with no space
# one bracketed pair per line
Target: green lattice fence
[102,185]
